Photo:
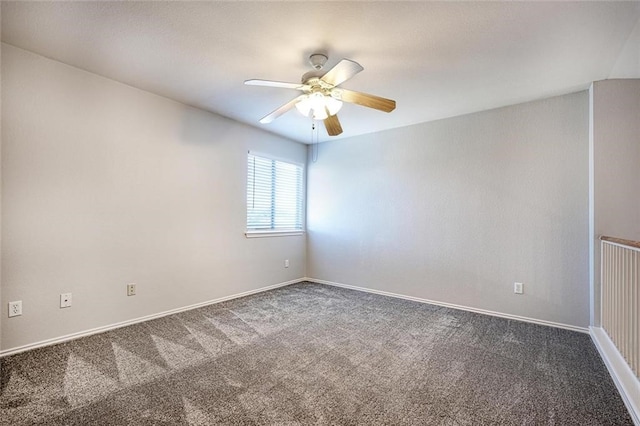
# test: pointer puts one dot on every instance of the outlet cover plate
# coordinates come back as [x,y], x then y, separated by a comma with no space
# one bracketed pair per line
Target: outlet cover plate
[15,308]
[131,289]
[518,288]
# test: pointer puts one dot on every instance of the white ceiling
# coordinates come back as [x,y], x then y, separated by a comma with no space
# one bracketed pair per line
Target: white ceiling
[436,59]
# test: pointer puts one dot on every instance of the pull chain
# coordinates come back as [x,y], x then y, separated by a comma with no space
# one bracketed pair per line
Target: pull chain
[314,146]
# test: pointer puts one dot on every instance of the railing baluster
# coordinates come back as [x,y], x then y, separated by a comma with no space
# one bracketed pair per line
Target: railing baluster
[620,297]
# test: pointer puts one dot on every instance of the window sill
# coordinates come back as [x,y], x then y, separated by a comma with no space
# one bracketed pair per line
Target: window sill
[263,234]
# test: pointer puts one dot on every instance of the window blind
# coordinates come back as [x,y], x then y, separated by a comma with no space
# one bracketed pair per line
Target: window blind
[274,195]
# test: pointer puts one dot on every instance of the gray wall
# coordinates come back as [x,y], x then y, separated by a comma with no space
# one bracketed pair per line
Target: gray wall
[104,184]
[458,210]
[615,169]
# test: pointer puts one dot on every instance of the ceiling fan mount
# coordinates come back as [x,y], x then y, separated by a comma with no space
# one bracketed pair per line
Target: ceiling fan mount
[317,60]
[321,98]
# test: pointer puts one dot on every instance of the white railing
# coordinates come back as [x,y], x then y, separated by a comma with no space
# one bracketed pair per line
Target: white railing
[620,315]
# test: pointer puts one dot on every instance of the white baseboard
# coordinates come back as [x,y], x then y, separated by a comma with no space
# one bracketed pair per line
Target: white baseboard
[68,337]
[453,306]
[84,333]
[626,381]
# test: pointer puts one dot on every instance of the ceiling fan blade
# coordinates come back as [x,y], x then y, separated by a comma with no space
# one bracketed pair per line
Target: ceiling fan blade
[284,108]
[364,99]
[281,84]
[333,125]
[343,71]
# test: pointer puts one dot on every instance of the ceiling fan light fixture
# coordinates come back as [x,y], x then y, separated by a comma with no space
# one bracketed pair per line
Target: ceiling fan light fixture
[316,106]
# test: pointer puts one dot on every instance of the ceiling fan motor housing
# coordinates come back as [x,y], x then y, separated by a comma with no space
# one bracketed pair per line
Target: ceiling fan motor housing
[312,78]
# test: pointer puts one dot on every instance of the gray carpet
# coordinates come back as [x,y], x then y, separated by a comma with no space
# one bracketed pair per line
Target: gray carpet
[314,354]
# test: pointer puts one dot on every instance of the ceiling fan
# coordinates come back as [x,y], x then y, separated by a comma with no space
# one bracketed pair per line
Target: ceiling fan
[322,98]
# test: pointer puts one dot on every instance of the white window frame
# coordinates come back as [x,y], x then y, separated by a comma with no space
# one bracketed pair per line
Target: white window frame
[274,232]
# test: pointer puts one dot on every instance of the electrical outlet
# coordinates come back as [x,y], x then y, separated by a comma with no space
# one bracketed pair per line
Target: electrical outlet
[15,308]
[518,288]
[131,289]
[286,263]
[65,300]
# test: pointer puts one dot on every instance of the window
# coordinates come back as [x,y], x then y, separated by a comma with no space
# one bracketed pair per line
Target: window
[274,196]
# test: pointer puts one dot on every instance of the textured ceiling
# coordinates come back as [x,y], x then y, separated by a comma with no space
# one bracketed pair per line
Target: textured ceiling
[436,59]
